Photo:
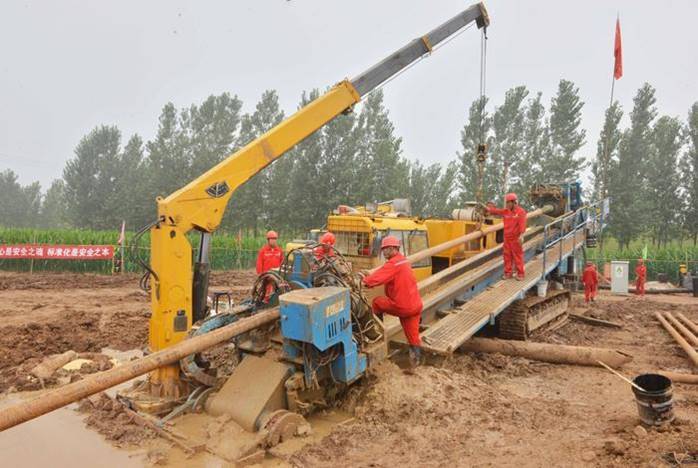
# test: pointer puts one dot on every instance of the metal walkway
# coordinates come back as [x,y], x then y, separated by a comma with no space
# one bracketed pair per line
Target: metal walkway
[446,335]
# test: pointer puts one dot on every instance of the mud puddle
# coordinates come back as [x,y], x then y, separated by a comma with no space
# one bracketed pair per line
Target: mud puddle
[59,439]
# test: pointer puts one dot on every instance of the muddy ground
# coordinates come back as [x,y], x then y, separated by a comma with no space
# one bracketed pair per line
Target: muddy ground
[469,410]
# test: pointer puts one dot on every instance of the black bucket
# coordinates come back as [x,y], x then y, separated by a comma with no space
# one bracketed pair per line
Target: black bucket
[655,405]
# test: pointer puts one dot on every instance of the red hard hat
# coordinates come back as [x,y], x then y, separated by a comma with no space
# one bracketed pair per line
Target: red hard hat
[390,241]
[510,197]
[272,235]
[328,238]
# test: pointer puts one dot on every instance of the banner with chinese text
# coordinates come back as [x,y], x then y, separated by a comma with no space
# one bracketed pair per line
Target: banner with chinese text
[48,252]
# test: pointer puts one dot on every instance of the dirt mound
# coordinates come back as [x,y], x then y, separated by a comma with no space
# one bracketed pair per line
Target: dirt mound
[109,418]
[22,347]
[429,419]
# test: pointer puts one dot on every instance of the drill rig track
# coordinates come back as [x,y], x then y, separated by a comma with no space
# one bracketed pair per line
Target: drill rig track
[533,314]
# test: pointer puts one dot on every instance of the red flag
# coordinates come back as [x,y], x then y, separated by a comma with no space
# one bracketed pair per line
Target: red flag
[618,53]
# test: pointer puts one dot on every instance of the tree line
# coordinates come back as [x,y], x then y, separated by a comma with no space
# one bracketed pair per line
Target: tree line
[649,168]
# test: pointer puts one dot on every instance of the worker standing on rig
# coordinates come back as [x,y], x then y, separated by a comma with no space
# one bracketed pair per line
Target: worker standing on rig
[270,255]
[326,247]
[640,276]
[590,278]
[514,227]
[403,299]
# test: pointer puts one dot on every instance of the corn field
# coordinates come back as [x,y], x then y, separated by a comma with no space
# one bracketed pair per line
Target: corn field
[228,251]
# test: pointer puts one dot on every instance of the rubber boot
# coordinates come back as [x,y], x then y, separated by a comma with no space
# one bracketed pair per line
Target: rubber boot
[415,359]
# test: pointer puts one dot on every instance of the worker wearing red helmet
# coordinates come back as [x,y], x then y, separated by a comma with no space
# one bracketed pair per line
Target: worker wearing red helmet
[326,247]
[640,277]
[402,297]
[514,227]
[590,278]
[270,255]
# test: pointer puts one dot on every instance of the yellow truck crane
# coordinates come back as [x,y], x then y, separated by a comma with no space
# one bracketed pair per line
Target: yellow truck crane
[178,283]
[359,231]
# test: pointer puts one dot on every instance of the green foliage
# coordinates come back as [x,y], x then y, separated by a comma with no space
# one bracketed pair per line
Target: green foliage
[665,259]
[663,202]
[607,149]
[566,136]
[629,176]
[689,175]
[20,204]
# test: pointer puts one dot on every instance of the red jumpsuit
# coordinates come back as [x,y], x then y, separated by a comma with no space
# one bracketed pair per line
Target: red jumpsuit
[514,226]
[269,257]
[320,252]
[591,281]
[640,276]
[403,299]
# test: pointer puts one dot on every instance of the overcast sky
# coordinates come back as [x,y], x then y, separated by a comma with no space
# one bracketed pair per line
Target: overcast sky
[67,66]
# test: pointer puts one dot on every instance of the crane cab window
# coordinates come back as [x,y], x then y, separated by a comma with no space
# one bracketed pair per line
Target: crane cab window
[412,242]
[353,243]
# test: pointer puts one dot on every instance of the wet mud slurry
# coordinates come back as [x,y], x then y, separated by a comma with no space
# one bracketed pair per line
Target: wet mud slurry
[468,410]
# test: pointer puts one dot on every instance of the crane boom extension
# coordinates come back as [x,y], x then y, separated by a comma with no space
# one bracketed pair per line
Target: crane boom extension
[178,290]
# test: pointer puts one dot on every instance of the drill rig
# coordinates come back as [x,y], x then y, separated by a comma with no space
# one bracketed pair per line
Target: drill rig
[178,285]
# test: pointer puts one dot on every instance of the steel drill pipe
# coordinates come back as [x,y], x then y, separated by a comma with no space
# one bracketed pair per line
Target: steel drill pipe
[421,255]
[688,323]
[688,335]
[59,397]
[678,377]
[692,355]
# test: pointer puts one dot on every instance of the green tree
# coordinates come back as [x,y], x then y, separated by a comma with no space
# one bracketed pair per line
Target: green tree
[20,204]
[607,149]
[166,165]
[90,183]
[249,203]
[431,189]
[381,173]
[566,136]
[629,206]
[536,144]
[53,208]
[509,125]
[662,175]
[689,173]
[307,191]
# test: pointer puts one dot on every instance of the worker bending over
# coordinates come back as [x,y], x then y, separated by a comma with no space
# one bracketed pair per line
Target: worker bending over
[326,247]
[640,277]
[403,299]
[270,255]
[514,227]
[590,278]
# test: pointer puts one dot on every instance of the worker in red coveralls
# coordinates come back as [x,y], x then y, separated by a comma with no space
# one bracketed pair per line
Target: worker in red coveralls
[269,257]
[590,278]
[326,247]
[640,277]
[402,297]
[514,227]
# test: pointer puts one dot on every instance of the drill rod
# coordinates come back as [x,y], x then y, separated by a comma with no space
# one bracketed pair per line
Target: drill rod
[59,397]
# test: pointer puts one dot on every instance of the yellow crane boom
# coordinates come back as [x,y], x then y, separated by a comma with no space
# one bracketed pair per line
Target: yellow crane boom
[178,289]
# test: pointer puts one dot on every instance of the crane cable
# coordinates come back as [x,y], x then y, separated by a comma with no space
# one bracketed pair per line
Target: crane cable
[481,155]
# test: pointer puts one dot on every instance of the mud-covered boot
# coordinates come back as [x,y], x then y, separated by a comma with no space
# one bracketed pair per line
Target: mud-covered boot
[415,359]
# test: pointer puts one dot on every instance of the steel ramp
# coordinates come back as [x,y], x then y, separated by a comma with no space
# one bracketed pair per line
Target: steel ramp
[446,335]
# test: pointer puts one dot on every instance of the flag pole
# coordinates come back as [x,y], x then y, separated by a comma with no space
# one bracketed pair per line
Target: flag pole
[615,74]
